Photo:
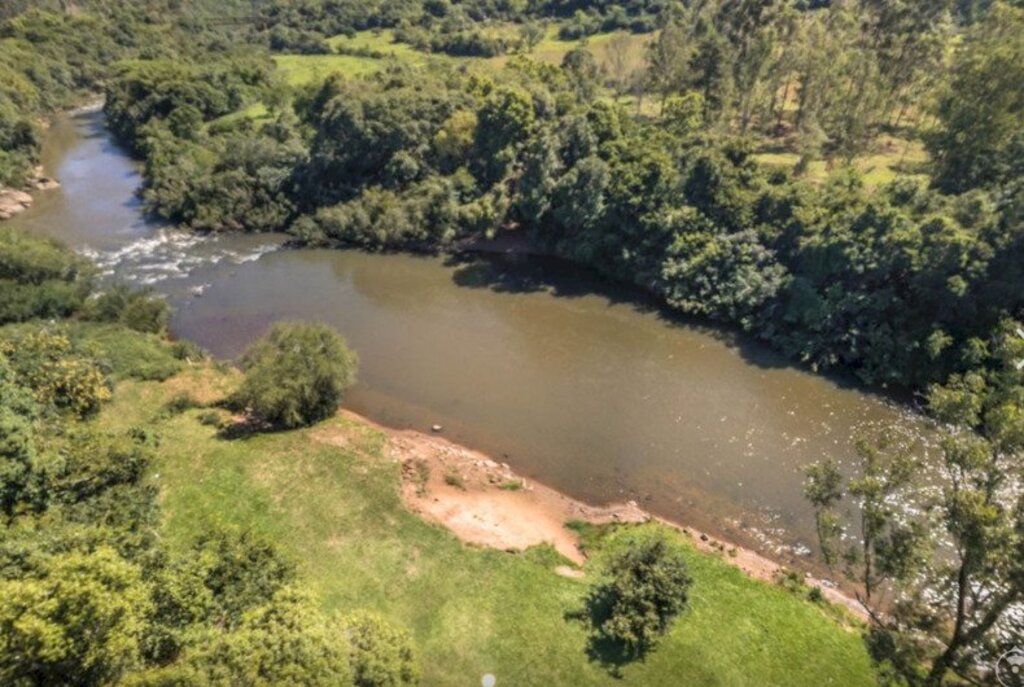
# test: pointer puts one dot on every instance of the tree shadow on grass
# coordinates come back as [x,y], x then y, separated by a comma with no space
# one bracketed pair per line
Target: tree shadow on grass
[611,654]
[243,424]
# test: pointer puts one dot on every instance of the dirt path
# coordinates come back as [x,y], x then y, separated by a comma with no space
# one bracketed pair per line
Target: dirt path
[484,502]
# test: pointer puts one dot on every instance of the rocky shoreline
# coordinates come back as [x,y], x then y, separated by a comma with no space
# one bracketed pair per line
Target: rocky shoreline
[15,201]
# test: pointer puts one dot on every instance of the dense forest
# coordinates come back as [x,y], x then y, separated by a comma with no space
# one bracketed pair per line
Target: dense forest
[902,283]
[720,166]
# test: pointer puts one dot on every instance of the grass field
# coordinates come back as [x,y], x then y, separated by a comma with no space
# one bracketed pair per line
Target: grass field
[888,157]
[303,69]
[334,506]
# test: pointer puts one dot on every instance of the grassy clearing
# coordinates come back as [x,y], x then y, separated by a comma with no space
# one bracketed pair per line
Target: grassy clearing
[890,157]
[606,47]
[330,498]
[299,70]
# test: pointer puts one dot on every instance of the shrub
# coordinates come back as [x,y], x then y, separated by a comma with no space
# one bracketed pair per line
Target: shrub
[212,418]
[296,375]
[453,479]
[78,620]
[137,310]
[380,655]
[49,364]
[181,402]
[648,588]
[39,277]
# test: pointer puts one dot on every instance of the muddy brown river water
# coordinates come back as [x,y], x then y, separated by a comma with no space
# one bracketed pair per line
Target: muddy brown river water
[578,384]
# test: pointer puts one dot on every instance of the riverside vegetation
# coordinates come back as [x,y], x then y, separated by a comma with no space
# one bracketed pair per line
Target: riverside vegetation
[149,537]
[840,179]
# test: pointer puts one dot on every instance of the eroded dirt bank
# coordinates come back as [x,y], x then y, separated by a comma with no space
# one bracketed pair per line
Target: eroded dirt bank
[484,502]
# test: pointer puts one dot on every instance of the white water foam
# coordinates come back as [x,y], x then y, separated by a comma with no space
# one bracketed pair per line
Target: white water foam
[168,254]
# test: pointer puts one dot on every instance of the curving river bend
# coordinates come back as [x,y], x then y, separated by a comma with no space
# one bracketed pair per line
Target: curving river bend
[574,383]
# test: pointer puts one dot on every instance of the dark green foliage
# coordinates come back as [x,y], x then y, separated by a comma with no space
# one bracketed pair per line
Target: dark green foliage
[380,655]
[647,588]
[39,278]
[367,136]
[20,476]
[980,138]
[92,463]
[134,309]
[239,571]
[147,93]
[239,182]
[296,375]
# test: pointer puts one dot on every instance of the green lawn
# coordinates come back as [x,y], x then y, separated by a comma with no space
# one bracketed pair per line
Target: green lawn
[888,158]
[304,69]
[299,70]
[335,508]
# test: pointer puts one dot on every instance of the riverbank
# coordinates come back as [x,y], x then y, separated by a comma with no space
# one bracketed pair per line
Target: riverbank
[330,497]
[15,201]
[484,502]
[573,382]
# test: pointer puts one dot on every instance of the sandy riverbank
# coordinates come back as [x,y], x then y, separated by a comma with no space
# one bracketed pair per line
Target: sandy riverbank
[483,502]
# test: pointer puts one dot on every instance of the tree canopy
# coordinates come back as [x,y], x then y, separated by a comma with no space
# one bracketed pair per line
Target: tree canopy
[296,374]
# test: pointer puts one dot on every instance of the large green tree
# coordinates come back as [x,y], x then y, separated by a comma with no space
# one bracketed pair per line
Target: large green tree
[980,134]
[296,374]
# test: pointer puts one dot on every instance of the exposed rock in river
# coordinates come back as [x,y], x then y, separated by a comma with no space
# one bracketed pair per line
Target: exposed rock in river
[13,201]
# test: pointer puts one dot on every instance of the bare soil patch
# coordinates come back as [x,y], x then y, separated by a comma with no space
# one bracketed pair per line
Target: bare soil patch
[483,502]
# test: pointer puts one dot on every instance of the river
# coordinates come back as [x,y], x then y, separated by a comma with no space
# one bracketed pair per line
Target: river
[580,385]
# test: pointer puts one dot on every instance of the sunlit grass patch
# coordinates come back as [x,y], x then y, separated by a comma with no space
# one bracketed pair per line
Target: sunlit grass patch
[300,70]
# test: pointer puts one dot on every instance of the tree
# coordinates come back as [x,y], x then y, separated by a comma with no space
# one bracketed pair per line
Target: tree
[980,135]
[79,620]
[296,374]
[504,122]
[647,588]
[583,72]
[710,75]
[667,58]
[531,34]
[20,478]
[824,489]
[620,63]
[380,655]
[952,561]
[283,641]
